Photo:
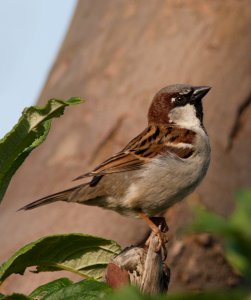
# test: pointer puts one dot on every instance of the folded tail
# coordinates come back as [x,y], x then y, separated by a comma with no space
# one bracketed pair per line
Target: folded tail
[60,196]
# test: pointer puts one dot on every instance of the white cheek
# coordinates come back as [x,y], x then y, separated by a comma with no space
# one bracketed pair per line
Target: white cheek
[184,116]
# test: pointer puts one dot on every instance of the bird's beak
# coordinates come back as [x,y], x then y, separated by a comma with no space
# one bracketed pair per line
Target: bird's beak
[199,92]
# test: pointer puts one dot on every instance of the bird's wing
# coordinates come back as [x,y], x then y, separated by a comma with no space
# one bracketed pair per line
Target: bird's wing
[153,141]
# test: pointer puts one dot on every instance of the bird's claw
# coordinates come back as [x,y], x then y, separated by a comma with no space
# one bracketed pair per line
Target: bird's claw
[162,244]
[160,222]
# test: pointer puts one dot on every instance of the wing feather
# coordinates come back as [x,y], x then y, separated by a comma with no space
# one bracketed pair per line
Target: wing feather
[153,141]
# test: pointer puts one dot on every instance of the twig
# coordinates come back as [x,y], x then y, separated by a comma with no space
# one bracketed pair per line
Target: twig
[142,267]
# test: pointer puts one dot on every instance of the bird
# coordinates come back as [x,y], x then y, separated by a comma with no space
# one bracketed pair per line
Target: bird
[156,169]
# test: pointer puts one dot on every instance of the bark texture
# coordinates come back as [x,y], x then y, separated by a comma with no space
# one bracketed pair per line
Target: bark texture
[116,55]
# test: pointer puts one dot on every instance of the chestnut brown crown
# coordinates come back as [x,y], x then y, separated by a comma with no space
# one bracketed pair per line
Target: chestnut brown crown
[173,96]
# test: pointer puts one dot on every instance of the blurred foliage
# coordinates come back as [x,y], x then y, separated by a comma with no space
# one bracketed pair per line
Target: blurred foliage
[30,131]
[51,287]
[235,231]
[133,293]
[16,296]
[87,290]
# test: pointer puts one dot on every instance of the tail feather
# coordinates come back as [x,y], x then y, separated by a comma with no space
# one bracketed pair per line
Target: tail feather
[60,196]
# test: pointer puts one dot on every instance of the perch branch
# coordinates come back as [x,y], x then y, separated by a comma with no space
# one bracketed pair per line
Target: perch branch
[140,266]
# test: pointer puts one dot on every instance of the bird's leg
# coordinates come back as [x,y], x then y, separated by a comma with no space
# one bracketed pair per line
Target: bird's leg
[158,231]
[160,222]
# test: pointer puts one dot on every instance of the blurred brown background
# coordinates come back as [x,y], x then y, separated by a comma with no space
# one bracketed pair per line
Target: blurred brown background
[116,55]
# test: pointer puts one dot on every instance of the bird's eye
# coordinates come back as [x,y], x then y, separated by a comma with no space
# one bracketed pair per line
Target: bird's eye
[180,98]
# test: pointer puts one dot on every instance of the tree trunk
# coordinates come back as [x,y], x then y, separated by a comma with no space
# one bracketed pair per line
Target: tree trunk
[117,55]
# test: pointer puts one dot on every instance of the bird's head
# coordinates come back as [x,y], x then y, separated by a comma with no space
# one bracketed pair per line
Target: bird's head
[178,104]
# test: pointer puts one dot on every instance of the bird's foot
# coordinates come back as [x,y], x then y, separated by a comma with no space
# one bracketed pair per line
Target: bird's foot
[160,222]
[160,231]
[162,243]
[159,228]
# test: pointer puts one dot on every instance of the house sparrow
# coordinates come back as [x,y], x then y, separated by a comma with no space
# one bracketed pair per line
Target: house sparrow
[158,168]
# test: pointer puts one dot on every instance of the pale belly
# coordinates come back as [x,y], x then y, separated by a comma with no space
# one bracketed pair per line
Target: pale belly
[163,185]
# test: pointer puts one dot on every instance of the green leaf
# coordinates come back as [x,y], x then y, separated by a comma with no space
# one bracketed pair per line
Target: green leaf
[50,287]
[208,221]
[78,253]
[30,131]
[86,290]
[16,297]
[241,216]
